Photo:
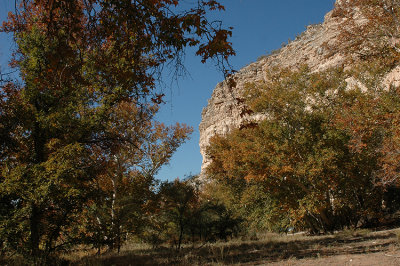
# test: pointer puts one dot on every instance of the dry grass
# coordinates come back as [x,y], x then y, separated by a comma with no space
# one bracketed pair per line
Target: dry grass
[297,249]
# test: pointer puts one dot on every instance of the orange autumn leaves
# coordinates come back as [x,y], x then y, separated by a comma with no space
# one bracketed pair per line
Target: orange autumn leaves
[79,139]
[305,152]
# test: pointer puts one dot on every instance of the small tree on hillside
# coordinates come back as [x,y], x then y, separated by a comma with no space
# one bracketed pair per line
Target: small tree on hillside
[368,28]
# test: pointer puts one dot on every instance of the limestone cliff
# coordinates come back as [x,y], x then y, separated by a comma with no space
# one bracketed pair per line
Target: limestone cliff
[223,111]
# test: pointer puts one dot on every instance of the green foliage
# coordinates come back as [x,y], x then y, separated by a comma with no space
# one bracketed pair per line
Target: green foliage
[249,204]
[184,215]
[178,202]
[78,139]
[127,186]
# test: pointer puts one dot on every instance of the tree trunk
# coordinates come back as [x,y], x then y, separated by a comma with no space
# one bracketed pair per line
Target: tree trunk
[180,234]
[34,230]
[34,219]
[113,228]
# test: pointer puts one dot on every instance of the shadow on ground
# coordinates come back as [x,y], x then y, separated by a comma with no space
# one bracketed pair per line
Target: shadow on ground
[289,247]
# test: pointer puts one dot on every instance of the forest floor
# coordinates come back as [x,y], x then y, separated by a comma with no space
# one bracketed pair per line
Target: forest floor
[359,247]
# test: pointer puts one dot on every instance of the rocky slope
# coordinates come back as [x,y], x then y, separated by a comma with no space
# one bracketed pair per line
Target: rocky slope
[224,108]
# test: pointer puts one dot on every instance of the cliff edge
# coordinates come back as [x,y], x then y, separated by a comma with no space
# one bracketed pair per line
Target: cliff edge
[224,110]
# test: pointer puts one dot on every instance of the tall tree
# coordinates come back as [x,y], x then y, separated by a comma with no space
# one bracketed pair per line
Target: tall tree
[78,61]
[126,187]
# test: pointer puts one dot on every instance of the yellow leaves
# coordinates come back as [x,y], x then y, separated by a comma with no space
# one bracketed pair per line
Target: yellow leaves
[53,144]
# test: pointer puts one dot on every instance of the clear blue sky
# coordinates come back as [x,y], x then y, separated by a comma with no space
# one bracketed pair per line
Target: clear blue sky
[260,26]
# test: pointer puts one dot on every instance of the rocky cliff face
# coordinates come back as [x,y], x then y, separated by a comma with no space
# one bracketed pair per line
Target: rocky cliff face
[223,111]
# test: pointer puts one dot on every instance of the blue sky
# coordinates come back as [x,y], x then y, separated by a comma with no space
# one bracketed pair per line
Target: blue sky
[260,26]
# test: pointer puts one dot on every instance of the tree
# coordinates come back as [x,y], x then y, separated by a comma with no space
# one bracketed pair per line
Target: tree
[178,200]
[184,212]
[250,203]
[79,61]
[125,189]
[298,154]
[371,120]
[370,30]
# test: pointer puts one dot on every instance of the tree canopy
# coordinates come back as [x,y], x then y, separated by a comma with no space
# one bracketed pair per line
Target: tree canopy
[321,152]
[80,120]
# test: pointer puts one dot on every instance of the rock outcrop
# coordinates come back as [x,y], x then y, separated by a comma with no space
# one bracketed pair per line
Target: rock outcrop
[223,111]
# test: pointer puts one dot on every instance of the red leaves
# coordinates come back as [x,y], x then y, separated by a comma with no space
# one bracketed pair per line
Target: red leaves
[217,46]
[157,99]
[213,5]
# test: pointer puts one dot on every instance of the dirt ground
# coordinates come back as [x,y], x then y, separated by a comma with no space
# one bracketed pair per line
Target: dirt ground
[360,247]
[379,258]
[373,248]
